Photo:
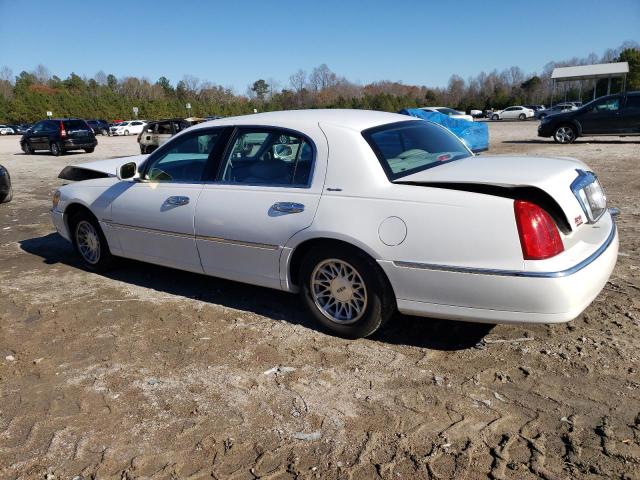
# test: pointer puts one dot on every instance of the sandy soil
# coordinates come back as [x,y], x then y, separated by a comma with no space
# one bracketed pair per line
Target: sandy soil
[153,373]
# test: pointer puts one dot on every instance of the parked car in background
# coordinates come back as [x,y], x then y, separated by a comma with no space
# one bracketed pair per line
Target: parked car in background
[59,135]
[449,112]
[535,108]
[99,127]
[517,112]
[20,129]
[559,108]
[610,115]
[155,134]
[362,212]
[6,192]
[129,127]
[6,130]
[476,113]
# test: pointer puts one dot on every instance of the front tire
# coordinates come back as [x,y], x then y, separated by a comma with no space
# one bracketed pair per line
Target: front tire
[104,132]
[565,134]
[126,132]
[345,292]
[8,197]
[90,243]
[89,150]
[26,148]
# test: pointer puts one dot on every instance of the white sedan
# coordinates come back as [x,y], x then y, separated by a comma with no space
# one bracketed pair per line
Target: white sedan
[5,130]
[363,213]
[513,113]
[131,127]
[449,112]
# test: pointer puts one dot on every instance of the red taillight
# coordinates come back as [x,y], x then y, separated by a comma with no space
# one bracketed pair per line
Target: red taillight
[63,132]
[539,235]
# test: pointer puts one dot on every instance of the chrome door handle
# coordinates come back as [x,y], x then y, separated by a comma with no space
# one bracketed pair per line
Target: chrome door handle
[178,200]
[288,207]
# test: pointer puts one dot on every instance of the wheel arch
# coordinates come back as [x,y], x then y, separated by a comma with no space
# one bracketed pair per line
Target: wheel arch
[300,250]
[72,209]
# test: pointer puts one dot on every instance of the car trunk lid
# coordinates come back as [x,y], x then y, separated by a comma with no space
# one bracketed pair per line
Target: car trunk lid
[508,176]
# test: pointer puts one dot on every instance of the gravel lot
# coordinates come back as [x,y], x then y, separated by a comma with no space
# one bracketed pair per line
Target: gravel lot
[149,372]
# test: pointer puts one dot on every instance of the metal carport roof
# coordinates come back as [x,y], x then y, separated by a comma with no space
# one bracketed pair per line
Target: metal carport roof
[584,72]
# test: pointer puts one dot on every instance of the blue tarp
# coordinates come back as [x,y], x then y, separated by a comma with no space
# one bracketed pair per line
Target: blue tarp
[474,134]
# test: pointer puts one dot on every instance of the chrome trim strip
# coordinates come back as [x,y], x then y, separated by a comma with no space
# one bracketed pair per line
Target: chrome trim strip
[148,230]
[265,246]
[515,273]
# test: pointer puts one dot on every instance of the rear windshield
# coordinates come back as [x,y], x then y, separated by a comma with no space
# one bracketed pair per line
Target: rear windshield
[405,148]
[75,125]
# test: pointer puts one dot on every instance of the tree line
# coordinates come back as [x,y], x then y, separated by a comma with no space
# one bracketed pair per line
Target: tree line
[27,97]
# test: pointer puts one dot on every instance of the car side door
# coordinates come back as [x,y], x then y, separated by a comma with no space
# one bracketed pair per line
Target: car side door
[509,113]
[36,136]
[630,116]
[603,117]
[153,216]
[267,188]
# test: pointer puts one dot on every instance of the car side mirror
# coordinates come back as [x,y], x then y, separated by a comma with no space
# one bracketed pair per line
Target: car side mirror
[128,170]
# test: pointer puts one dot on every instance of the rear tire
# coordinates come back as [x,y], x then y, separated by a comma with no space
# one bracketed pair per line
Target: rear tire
[90,243]
[55,149]
[495,117]
[89,150]
[104,132]
[126,132]
[345,291]
[522,116]
[26,148]
[565,134]
[143,149]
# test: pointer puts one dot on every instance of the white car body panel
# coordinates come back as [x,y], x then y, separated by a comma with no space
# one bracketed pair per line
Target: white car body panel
[513,114]
[459,115]
[128,127]
[447,252]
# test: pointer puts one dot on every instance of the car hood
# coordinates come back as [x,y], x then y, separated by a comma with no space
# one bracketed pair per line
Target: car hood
[98,169]
[552,175]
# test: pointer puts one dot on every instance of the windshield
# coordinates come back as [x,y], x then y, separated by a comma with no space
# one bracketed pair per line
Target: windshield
[122,124]
[408,147]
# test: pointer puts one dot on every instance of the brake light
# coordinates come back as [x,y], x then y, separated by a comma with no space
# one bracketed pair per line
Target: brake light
[539,236]
[63,132]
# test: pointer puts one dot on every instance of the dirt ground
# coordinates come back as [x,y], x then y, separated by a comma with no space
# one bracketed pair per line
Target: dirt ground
[149,372]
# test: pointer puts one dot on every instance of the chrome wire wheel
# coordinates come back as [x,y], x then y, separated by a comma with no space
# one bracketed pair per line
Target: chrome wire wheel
[88,242]
[565,134]
[338,291]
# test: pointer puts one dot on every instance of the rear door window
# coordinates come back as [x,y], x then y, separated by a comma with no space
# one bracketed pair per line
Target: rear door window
[269,157]
[71,125]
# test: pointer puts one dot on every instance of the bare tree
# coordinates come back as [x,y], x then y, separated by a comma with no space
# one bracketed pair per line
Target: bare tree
[42,74]
[322,77]
[6,74]
[191,83]
[101,78]
[298,80]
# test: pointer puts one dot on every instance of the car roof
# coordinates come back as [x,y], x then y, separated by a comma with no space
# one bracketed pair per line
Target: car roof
[296,119]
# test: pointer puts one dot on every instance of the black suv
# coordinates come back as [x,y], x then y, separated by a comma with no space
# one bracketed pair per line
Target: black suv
[59,136]
[611,115]
[5,185]
[99,127]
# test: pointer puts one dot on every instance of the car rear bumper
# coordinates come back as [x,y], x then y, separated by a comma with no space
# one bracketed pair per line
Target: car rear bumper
[57,218]
[502,296]
[75,144]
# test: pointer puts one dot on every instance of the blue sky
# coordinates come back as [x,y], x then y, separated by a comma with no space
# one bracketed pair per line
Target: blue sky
[235,43]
